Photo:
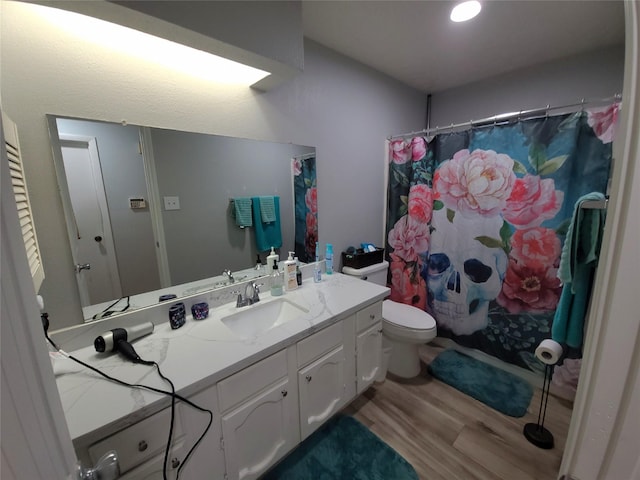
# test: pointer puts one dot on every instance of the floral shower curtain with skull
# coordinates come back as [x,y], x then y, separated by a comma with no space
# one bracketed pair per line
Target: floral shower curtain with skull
[476,221]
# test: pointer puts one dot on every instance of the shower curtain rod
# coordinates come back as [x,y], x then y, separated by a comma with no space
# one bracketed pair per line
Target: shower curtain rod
[304,156]
[506,117]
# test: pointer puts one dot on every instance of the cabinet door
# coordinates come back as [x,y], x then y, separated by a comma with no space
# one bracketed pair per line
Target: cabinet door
[259,432]
[321,388]
[369,356]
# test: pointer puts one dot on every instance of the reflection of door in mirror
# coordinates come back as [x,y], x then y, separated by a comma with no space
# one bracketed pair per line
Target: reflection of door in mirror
[119,176]
[92,245]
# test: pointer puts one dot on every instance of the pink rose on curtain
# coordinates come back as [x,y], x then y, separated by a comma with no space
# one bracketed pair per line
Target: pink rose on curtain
[311,199]
[537,248]
[312,222]
[403,289]
[418,148]
[420,203]
[532,201]
[603,121]
[475,183]
[296,164]
[408,238]
[399,151]
[530,289]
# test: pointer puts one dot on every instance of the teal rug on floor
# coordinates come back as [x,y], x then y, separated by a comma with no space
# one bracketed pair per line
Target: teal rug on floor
[343,449]
[494,387]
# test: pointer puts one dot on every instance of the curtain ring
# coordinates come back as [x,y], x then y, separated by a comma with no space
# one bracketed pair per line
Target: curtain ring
[546,115]
[582,105]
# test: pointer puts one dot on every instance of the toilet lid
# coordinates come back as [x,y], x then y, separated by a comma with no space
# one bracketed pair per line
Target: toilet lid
[407,316]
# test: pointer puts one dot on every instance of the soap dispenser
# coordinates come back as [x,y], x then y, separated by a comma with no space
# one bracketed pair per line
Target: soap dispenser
[272,258]
[276,281]
[290,281]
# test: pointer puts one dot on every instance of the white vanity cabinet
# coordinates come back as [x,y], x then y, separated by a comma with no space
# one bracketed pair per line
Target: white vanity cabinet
[259,415]
[325,381]
[141,446]
[368,346]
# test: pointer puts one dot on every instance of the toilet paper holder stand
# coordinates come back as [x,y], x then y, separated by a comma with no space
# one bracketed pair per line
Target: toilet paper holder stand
[536,433]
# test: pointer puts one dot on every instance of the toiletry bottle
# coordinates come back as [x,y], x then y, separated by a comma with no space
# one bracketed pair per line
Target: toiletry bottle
[276,281]
[271,259]
[290,282]
[298,271]
[328,259]
[317,273]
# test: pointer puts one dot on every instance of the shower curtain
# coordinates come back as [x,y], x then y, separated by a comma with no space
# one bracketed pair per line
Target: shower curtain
[476,221]
[305,207]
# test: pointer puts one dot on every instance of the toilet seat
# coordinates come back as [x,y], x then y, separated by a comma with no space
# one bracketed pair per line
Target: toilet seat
[407,317]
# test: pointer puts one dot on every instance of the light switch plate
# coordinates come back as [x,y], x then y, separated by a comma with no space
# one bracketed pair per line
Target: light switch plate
[172,203]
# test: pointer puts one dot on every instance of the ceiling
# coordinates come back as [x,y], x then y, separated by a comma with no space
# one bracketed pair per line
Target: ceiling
[416,43]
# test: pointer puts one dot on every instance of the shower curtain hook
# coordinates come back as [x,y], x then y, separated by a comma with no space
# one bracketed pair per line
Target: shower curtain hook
[546,115]
[582,105]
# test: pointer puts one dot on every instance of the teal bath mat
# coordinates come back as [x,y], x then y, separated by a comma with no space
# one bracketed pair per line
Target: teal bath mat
[343,449]
[501,390]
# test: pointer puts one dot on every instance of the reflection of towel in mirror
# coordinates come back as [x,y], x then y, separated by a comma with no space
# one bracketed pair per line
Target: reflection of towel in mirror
[267,234]
[577,265]
[242,211]
[267,209]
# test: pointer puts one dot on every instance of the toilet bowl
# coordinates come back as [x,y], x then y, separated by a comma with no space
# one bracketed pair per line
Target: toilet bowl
[404,328]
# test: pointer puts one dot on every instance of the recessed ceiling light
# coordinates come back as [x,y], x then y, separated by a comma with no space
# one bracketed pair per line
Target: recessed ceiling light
[465,11]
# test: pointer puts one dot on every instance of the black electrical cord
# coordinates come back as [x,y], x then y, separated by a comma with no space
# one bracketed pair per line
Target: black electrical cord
[172,393]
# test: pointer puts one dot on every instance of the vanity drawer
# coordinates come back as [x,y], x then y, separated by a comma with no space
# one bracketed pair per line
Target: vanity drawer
[368,316]
[139,442]
[319,343]
[247,382]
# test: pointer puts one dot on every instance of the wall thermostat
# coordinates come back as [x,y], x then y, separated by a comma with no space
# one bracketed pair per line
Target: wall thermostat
[136,203]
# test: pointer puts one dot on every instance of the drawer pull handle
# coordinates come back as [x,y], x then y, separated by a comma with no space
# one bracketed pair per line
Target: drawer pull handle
[372,316]
[284,393]
[380,331]
[142,446]
[308,377]
[175,463]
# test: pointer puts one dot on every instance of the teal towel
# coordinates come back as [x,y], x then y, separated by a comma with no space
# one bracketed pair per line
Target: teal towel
[267,234]
[242,212]
[267,209]
[584,235]
[577,265]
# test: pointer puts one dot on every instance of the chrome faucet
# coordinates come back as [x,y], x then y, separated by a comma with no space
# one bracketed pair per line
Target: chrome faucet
[251,291]
[228,273]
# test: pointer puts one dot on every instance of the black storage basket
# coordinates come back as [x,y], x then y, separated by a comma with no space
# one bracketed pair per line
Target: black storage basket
[364,259]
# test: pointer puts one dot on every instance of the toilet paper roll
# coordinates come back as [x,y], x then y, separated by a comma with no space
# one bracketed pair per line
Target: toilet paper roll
[549,351]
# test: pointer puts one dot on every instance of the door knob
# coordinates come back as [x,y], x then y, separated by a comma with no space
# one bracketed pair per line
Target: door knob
[97,238]
[107,468]
[82,266]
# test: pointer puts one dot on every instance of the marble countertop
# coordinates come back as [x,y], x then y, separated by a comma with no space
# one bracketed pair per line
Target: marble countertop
[194,357]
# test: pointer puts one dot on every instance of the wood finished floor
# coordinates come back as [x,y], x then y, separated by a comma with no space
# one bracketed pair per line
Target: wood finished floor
[446,434]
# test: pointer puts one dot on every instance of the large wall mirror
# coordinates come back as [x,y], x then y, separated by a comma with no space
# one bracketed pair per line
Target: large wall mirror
[153,211]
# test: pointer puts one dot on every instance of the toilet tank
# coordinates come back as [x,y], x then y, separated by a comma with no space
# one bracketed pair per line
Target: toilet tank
[376,273]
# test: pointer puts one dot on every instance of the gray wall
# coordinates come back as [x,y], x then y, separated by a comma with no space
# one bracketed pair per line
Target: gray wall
[123,175]
[205,171]
[595,75]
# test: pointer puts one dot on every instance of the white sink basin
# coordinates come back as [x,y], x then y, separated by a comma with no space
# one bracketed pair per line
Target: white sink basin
[256,319]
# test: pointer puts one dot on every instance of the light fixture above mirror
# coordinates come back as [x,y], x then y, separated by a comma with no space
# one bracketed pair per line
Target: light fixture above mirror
[128,41]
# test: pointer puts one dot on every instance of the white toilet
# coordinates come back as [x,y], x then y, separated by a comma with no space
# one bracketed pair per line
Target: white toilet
[404,328]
